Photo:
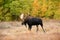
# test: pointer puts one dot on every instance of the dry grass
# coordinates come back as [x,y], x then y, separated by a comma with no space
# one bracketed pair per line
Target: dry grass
[15,31]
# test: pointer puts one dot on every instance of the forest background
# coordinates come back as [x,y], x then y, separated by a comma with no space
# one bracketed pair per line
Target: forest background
[11,9]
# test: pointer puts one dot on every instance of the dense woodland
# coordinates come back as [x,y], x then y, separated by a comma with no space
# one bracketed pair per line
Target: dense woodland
[11,9]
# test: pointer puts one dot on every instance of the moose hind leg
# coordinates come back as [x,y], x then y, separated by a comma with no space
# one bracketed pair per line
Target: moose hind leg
[42,27]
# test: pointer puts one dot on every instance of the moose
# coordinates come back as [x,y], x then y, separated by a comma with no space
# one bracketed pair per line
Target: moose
[30,21]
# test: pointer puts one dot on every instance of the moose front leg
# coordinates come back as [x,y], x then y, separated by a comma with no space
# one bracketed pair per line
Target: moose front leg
[29,28]
[25,25]
[37,28]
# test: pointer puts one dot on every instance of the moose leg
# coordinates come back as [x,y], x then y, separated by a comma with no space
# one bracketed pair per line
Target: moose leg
[37,28]
[25,25]
[43,28]
[29,28]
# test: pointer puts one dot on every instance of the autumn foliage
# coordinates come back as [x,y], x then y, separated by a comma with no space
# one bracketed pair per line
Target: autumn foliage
[11,9]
